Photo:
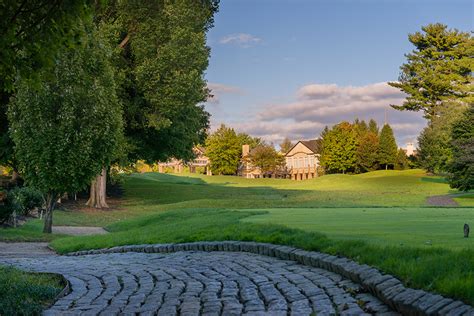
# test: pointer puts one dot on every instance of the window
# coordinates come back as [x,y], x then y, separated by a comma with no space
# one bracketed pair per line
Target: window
[311,161]
[305,162]
[301,165]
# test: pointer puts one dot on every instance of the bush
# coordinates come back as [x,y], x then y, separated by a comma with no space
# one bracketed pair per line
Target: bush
[24,199]
[5,209]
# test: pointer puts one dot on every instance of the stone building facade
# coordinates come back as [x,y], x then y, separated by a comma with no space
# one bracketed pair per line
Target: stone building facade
[177,165]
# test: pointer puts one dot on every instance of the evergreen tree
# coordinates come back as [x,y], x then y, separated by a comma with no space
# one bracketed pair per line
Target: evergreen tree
[462,165]
[339,148]
[438,69]
[434,142]
[388,147]
[402,162]
[373,127]
[368,152]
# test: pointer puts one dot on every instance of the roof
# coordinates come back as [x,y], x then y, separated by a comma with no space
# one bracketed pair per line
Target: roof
[314,145]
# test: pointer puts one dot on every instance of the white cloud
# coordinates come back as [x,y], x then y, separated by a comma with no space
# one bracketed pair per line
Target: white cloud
[318,105]
[240,39]
[218,89]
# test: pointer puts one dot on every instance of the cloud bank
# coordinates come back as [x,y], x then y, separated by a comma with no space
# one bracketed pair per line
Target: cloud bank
[219,89]
[317,105]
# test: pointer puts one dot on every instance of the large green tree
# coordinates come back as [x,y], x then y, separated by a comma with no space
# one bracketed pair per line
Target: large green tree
[387,147]
[224,149]
[31,34]
[339,148]
[434,142]
[438,69]
[266,158]
[286,145]
[67,127]
[368,152]
[462,165]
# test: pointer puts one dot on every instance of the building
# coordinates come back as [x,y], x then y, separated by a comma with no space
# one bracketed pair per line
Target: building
[410,151]
[246,169]
[302,160]
[177,165]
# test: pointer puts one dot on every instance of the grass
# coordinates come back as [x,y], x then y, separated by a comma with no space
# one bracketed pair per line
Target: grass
[379,218]
[29,232]
[443,270]
[23,293]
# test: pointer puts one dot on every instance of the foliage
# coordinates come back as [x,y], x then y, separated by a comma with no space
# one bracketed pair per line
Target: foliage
[438,69]
[462,165]
[286,145]
[339,148]
[388,147]
[160,59]
[401,162]
[373,127]
[25,199]
[24,293]
[266,158]
[368,152]
[32,32]
[68,127]
[224,149]
[434,142]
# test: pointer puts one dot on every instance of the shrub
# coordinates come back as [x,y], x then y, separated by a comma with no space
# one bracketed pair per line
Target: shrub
[24,199]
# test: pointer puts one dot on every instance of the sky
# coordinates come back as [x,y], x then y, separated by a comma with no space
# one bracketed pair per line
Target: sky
[287,68]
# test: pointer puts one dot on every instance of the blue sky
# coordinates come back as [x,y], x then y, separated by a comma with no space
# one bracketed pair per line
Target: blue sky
[288,67]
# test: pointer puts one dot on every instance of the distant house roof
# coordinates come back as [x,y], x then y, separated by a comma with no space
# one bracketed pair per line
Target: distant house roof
[315,145]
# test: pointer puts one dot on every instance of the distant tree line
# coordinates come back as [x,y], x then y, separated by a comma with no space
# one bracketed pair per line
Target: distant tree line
[360,147]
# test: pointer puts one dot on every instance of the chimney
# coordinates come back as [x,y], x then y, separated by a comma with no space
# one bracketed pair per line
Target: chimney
[245,150]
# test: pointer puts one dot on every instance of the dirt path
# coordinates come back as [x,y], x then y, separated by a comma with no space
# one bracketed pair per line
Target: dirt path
[441,200]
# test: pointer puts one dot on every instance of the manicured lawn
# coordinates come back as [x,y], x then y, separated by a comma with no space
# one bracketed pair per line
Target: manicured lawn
[443,270]
[413,227]
[23,293]
[379,218]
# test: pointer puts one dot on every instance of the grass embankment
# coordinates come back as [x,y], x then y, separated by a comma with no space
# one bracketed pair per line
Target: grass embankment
[445,271]
[29,232]
[23,293]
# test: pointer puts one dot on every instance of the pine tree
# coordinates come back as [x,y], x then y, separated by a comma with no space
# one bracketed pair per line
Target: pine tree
[402,160]
[286,145]
[373,127]
[388,147]
[368,152]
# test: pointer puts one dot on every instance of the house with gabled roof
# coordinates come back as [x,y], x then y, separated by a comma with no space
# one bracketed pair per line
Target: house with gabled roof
[302,160]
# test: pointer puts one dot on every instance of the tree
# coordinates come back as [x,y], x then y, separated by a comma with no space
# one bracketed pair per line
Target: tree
[67,127]
[339,148]
[401,162]
[286,145]
[32,33]
[224,149]
[160,59]
[266,158]
[373,127]
[438,69]
[434,142]
[462,165]
[388,147]
[368,152]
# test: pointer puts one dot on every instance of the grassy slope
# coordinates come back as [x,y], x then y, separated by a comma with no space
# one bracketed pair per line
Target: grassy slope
[23,293]
[201,208]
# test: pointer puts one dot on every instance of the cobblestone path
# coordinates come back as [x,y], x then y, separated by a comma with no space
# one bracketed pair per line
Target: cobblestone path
[199,283]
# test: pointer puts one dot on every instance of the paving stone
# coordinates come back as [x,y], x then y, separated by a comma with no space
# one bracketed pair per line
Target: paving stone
[210,279]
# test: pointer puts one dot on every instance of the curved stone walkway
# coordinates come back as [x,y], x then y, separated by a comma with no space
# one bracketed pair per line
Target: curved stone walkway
[200,283]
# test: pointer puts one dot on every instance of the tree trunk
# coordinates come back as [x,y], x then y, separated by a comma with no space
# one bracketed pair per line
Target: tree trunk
[97,197]
[386,167]
[51,199]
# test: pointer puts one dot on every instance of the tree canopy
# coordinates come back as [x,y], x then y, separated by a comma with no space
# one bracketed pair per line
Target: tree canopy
[462,165]
[286,145]
[67,127]
[339,148]
[438,69]
[266,158]
[387,147]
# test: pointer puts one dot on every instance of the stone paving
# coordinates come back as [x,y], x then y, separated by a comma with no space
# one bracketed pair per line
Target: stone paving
[199,283]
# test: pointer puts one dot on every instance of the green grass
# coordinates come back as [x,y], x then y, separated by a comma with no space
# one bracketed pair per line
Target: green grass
[30,231]
[23,293]
[379,218]
[465,199]
[443,270]
[413,227]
